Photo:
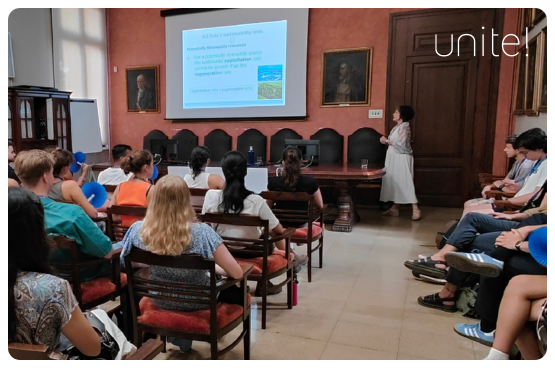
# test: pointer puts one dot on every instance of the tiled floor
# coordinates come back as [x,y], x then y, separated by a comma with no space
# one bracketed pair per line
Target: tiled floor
[362,304]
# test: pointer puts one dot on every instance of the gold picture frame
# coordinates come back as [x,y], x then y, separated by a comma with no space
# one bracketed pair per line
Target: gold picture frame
[528,78]
[346,77]
[143,88]
[542,78]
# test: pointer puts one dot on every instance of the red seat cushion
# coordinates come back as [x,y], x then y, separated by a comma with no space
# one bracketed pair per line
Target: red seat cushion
[197,321]
[275,262]
[98,288]
[303,231]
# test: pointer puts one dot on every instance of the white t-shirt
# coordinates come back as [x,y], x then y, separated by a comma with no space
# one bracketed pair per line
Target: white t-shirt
[113,176]
[254,205]
[200,181]
[535,180]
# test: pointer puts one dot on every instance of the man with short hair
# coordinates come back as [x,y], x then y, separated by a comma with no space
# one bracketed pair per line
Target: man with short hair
[11,158]
[533,145]
[35,168]
[115,175]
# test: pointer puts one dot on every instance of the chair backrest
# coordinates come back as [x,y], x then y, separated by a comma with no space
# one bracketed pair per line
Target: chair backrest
[116,231]
[365,144]
[254,138]
[139,286]
[277,143]
[197,198]
[186,141]
[71,271]
[259,247]
[219,143]
[153,134]
[33,352]
[110,188]
[295,217]
[331,146]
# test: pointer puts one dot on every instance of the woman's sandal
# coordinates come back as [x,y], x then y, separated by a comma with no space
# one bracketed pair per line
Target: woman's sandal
[436,302]
[391,213]
[416,215]
[427,267]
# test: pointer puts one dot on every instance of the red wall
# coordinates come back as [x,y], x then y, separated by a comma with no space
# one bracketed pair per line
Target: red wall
[137,37]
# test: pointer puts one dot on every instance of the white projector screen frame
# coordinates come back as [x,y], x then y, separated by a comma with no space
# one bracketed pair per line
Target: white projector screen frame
[295,67]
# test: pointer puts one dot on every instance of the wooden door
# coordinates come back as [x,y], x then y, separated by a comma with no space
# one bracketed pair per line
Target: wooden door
[455,97]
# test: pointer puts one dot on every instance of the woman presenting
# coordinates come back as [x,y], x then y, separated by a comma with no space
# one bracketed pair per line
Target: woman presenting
[397,183]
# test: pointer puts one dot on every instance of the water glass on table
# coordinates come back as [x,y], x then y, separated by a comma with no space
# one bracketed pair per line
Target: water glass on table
[364,163]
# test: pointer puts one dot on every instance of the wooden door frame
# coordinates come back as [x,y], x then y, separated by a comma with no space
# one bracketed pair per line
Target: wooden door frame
[487,163]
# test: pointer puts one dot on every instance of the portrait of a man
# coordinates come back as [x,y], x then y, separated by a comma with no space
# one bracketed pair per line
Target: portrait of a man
[142,89]
[345,77]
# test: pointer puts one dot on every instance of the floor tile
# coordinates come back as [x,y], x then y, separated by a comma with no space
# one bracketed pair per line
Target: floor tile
[274,346]
[366,336]
[344,352]
[445,345]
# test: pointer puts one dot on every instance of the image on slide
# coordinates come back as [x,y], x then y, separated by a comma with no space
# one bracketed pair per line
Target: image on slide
[270,82]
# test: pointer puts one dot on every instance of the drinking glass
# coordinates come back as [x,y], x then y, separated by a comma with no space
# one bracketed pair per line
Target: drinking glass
[364,163]
[259,161]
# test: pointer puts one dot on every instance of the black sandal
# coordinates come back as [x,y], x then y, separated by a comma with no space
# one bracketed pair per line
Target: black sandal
[436,302]
[427,267]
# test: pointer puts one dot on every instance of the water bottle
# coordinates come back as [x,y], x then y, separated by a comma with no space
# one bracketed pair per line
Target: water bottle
[250,158]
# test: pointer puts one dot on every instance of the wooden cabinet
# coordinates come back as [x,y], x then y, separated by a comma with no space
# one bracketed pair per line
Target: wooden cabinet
[38,117]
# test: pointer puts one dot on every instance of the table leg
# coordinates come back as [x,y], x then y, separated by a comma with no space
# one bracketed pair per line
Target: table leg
[347,216]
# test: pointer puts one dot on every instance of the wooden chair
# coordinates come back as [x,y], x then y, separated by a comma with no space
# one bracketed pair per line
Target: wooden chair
[197,198]
[147,351]
[309,223]
[115,230]
[110,188]
[204,325]
[92,293]
[266,265]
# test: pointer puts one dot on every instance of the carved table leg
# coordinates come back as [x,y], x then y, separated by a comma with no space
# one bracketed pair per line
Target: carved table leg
[347,216]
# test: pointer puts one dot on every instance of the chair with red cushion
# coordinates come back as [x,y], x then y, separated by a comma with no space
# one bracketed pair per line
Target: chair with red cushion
[208,324]
[267,263]
[115,230]
[95,292]
[309,223]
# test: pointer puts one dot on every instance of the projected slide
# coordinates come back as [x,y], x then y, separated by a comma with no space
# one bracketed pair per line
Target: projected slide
[235,66]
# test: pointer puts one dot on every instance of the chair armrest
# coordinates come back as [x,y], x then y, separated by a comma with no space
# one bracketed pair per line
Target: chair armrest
[224,284]
[116,254]
[148,350]
[289,232]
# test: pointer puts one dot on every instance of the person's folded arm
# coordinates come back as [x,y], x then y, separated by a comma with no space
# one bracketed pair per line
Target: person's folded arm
[94,242]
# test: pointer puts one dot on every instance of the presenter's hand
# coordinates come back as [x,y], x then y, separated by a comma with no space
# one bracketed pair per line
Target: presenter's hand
[383,140]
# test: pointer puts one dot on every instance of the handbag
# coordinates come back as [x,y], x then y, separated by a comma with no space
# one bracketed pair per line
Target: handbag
[109,348]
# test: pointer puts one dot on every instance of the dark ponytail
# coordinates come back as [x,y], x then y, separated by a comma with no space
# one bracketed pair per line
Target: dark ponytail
[234,166]
[291,167]
[199,158]
[28,244]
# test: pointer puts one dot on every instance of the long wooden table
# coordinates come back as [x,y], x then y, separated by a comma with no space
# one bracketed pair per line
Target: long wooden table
[344,177]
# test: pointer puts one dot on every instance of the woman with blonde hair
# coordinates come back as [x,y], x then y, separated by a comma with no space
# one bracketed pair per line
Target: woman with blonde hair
[169,228]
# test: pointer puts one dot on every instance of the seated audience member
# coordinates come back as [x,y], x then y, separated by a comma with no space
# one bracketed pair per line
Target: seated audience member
[516,175]
[198,177]
[68,175]
[137,190]
[293,181]
[11,158]
[68,190]
[533,145]
[492,289]
[236,199]
[169,228]
[12,183]
[35,168]
[115,175]
[41,306]
[477,223]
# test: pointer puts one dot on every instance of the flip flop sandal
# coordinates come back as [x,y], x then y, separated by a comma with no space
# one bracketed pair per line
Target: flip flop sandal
[435,302]
[427,267]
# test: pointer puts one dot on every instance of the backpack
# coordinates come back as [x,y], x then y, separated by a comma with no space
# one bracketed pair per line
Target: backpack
[443,235]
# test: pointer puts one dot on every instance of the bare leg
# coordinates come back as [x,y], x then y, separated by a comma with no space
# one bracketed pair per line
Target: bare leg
[395,207]
[527,343]
[515,308]
[448,291]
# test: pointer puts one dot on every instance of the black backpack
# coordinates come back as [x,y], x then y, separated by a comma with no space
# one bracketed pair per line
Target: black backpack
[443,235]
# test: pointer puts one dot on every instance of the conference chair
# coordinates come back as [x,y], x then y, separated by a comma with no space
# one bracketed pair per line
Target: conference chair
[277,143]
[255,139]
[208,325]
[219,143]
[331,146]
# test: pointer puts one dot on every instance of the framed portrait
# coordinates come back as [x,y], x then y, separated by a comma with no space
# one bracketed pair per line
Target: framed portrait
[527,93]
[346,76]
[143,88]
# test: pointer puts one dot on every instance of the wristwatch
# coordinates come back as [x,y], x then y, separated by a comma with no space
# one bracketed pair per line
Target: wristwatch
[518,244]
[501,187]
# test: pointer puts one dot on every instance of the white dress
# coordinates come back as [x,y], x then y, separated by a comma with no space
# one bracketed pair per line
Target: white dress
[397,183]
